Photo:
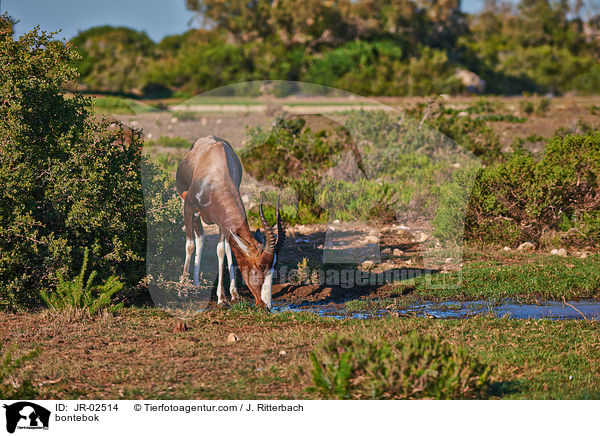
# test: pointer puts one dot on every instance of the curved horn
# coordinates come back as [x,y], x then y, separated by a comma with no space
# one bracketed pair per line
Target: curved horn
[280,230]
[269,236]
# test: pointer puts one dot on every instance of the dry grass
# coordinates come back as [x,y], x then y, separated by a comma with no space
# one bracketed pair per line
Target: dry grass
[135,354]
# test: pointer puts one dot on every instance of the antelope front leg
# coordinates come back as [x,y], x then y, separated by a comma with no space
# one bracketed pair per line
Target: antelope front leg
[232,288]
[220,256]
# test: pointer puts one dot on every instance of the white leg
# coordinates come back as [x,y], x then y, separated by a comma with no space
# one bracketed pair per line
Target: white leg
[189,249]
[220,256]
[199,246]
[232,288]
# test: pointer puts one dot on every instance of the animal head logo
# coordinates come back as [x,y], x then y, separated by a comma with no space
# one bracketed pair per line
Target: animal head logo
[25,414]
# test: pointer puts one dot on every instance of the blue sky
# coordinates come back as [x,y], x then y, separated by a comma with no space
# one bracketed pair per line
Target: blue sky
[158,18]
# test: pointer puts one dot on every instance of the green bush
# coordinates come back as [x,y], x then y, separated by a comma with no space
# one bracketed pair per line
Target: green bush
[81,294]
[292,155]
[69,181]
[525,199]
[345,367]
[471,133]
[12,385]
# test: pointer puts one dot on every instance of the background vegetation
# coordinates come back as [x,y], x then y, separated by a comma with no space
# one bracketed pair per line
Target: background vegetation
[390,47]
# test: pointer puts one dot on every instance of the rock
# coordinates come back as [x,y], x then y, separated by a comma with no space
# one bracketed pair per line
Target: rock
[448,260]
[371,239]
[463,114]
[174,119]
[386,252]
[180,327]
[526,246]
[368,264]
[232,338]
[506,248]
[336,221]
[420,237]
[398,252]
[562,252]
[583,255]
[282,353]
[554,251]
[471,81]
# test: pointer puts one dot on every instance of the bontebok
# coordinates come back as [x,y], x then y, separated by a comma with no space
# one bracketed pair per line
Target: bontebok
[208,180]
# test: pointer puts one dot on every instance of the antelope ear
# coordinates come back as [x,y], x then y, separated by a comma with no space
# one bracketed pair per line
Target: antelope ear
[244,246]
[259,237]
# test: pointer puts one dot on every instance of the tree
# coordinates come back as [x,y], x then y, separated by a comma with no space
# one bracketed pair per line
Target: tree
[113,59]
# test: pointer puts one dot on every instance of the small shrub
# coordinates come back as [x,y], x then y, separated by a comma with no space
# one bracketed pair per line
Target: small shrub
[527,106]
[537,105]
[12,386]
[345,367]
[303,271]
[81,294]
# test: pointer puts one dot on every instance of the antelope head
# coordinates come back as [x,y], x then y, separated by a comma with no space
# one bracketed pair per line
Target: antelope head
[257,256]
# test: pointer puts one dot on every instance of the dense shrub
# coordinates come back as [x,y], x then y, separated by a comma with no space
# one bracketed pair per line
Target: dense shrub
[469,132]
[525,199]
[292,155]
[69,182]
[345,367]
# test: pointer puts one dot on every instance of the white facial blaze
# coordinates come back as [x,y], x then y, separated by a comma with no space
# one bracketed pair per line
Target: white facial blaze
[267,286]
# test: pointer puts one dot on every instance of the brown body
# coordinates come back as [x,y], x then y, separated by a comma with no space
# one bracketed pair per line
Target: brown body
[208,180]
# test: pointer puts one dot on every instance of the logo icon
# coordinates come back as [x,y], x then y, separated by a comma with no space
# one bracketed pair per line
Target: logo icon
[26,415]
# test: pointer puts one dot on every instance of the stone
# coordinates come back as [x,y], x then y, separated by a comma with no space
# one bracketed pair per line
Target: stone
[471,81]
[506,248]
[420,237]
[398,252]
[583,255]
[386,252]
[368,264]
[562,252]
[232,338]
[526,246]
[180,327]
